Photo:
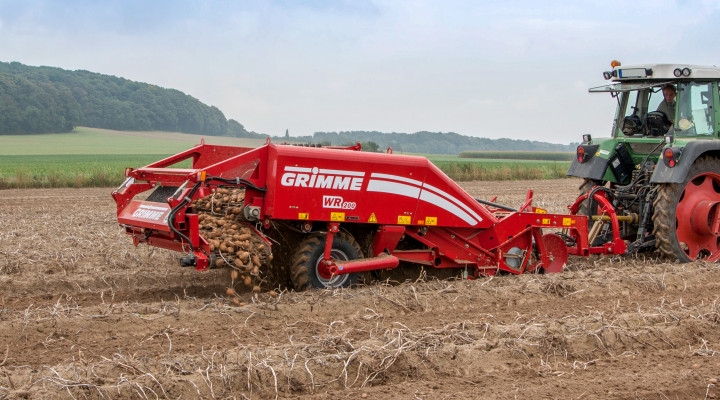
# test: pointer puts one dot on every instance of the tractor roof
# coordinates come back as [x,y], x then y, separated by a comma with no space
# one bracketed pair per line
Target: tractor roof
[662,72]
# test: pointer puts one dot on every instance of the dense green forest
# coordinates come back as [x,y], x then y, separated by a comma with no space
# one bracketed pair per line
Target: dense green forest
[48,99]
[430,142]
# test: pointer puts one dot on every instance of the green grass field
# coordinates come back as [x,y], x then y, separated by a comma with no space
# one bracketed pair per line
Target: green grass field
[86,141]
[518,155]
[64,170]
[90,157]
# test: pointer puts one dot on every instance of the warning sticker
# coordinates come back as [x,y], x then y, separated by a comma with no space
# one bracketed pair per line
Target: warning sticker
[337,216]
[404,219]
[568,221]
[546,221]
[372,219]
[540,211]
[430,220]
[303,215]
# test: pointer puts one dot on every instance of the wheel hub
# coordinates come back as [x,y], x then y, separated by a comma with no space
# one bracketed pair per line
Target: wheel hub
[697,218]
[323,271]
[704,218]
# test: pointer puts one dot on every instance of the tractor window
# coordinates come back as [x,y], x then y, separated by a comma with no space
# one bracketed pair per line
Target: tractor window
[656,97]
[635,105]
[695,110]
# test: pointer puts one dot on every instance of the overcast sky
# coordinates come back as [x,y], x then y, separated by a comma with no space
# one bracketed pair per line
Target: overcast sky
[517,69]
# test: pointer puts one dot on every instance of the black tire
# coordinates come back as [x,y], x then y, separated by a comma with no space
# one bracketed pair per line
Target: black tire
[304,271]
[589,206]
[665,209]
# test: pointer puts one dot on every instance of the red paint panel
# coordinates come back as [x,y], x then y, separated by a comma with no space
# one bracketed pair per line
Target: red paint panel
[146,214]
[322,184]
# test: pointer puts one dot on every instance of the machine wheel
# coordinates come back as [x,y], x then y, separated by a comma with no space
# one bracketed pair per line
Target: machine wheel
[684,214]
[305,272]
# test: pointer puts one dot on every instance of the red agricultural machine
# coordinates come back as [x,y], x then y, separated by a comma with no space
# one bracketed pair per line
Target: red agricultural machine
[653,185]
[347,211]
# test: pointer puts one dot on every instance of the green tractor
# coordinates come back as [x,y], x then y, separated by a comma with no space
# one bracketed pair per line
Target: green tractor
[660,169]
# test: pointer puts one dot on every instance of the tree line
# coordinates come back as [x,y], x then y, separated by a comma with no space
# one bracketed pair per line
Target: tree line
[431,142]
[48,99]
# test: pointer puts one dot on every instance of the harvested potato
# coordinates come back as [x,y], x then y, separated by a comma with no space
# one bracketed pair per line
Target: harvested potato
[231,238]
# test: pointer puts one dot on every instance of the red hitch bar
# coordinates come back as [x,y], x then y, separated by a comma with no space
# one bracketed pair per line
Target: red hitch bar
[383,261]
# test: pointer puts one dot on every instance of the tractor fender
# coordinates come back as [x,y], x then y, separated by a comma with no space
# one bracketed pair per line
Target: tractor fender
[691,151]
[594,168]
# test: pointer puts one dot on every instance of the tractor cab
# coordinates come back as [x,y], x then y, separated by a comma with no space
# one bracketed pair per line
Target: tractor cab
[644,117]
[641,90]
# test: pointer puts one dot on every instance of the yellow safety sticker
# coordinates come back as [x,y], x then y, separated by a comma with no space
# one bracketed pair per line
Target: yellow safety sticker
[404,219]
[546,221]
[540,211]
[568,221]
[372,219]
[337,216]
[303,215]
[430,220]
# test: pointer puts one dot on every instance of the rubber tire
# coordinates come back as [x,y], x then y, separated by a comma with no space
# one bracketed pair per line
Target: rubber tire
[665,207]
[588,205]
[303,272]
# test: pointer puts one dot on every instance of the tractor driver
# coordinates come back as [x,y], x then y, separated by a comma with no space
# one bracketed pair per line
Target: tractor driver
[667,106]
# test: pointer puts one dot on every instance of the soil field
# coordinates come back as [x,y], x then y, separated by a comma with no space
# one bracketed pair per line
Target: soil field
[84,314]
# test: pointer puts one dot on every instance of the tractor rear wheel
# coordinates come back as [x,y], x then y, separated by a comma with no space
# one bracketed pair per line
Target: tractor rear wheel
[685,214]
[306,271]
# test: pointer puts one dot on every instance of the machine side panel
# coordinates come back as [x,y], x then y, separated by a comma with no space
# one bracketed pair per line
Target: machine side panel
[348,186]
[458,208]
[332,185]
[145,214]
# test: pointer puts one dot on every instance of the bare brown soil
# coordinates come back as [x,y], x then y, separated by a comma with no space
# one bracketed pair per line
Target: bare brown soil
[84,314]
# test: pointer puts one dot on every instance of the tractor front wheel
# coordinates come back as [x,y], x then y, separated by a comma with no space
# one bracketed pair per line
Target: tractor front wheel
[306,271]
[686,214]
[589,206]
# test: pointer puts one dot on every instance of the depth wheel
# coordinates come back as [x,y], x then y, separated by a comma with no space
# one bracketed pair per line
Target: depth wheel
[306,272]
[685,214]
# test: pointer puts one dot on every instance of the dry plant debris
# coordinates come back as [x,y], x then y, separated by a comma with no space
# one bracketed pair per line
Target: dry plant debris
[83,314]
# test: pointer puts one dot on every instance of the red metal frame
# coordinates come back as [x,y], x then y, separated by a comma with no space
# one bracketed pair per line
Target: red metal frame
[393,195]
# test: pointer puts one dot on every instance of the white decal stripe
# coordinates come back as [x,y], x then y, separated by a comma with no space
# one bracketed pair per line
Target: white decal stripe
[393,188]
[339,172]
[447,206]
[454,200]
[297,169]
[395,177]
[156,208]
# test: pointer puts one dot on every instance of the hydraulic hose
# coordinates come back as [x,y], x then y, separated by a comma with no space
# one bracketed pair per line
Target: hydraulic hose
[236,181]
[487,203]
[171,217]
